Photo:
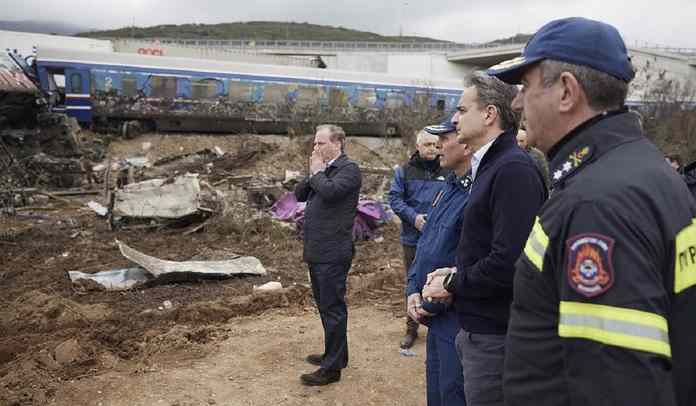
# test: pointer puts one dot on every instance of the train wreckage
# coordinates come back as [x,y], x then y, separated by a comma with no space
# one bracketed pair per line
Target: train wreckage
[130,92]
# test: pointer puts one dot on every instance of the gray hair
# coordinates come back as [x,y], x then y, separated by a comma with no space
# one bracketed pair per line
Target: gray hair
[603,91]
[494,92]
[336,133]
[422,134]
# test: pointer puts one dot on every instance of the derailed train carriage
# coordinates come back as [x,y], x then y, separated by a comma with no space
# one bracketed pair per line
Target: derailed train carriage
[18,95]
[180,94]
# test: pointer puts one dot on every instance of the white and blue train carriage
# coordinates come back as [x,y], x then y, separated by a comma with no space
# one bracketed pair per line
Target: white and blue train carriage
[184,94]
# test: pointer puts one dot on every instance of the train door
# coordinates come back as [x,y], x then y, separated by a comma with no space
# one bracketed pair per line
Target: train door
[78,103]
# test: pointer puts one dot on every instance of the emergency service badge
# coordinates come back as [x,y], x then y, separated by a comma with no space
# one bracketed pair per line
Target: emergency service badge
[590,270]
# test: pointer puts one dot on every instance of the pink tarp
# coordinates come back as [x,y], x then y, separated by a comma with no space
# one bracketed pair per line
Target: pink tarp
[370,215]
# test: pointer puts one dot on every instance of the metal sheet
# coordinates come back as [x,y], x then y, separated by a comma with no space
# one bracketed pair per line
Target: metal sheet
[158,198]
[118,279]
[159,267]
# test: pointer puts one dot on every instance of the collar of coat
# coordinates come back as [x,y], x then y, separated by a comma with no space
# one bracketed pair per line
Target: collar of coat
[340,161]
[503,142]
[590,140]
[462,182]
[432,166]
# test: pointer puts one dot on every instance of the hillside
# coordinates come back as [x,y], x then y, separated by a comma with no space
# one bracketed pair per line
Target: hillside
[258,30]
[516,39]
[41,27]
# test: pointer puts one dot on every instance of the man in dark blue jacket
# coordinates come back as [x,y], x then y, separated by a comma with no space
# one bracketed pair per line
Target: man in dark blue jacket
[412,190]
[331,192]
[437,248]
[506,195]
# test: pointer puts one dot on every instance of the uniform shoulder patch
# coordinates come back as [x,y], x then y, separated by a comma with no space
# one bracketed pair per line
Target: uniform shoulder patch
[590,270]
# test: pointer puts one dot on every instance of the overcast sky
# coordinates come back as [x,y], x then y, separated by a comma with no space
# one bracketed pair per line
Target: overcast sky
[664,22]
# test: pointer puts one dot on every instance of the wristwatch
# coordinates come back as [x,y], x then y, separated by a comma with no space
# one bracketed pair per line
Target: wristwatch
[448,283]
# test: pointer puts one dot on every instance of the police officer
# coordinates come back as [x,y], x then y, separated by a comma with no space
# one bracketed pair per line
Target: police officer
[412,190]
[437,248]
[605,290]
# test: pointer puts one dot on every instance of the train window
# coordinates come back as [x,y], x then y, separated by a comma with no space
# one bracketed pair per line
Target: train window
[163,87]
[420,101]
[307,95]
[241,91]
[366,98]
[58,81]
[337,97]
[275,93]
[206,89]
[129,86]
[441,104]
[394,100]
[76,83]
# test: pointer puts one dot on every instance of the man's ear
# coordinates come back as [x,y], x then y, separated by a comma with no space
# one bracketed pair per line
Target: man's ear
[491,115]
[572,93]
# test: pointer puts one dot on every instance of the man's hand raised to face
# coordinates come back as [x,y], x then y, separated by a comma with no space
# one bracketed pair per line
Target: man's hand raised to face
[316,163]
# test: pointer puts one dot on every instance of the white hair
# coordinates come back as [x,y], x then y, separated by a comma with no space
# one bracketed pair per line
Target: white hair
[422,134]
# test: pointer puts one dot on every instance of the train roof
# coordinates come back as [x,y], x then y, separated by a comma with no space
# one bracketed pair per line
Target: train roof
[150,62]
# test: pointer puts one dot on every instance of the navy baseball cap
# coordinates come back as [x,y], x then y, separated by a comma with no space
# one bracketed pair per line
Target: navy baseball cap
[575,40]
[443,128]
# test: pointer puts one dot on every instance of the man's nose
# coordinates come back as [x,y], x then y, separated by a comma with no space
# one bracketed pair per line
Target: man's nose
[455,119]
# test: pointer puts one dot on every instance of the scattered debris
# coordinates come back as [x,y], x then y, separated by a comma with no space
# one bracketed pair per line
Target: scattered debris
[98,208]
[118,279]
[153,271]
[122,322]
[292,176]
[273,285]
[163,198]
[194,269]
[155,201]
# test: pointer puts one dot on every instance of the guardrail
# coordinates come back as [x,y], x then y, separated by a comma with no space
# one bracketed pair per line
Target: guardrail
[248,44]
[673,50]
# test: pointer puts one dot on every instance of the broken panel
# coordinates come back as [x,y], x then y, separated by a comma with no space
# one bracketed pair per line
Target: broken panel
[275,93]
[241,91]
[163,87]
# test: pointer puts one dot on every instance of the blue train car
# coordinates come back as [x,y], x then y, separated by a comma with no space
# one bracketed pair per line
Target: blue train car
[180,94]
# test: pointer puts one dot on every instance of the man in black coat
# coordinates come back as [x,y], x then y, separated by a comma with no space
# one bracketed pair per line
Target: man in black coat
[690,177]
[506,195]
[331,192]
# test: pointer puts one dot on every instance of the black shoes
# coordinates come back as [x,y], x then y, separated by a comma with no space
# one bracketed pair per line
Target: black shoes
[320,377]
[315,359]
[408,341]
[411,334]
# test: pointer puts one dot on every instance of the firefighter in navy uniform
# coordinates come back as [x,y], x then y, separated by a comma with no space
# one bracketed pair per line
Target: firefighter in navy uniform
[604,308]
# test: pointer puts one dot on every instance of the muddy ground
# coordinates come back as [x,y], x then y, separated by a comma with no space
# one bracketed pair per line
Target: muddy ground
[55,336]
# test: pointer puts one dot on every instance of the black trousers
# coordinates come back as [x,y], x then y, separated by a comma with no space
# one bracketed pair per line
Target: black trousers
[329,289]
